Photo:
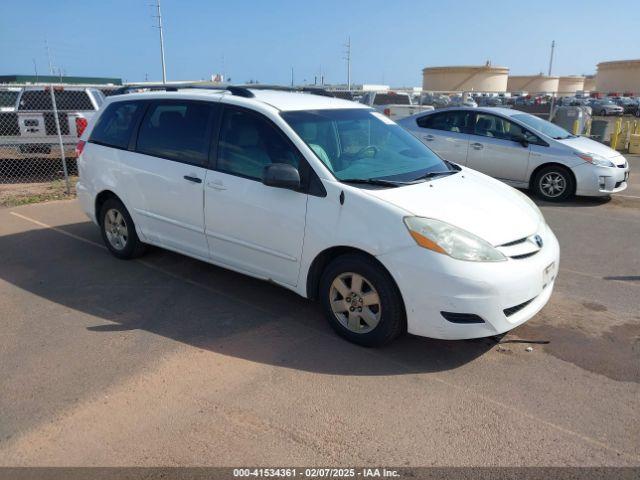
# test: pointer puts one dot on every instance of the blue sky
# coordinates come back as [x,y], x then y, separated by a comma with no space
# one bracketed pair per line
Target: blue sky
[262,40]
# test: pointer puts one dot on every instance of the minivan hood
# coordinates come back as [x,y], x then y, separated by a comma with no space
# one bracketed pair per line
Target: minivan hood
[586,145]
[469,200]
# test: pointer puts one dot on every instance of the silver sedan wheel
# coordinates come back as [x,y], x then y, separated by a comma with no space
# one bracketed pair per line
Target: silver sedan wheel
[355,302]
[115,228]
[553,184]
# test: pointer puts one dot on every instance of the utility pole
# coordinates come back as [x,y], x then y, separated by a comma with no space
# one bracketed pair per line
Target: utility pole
[347,57]
[159,17]
[35,68]
[553,46]
[46,47]
[291,77]
[553,96]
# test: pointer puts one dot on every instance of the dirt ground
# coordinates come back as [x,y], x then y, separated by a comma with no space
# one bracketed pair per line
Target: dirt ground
[14,194]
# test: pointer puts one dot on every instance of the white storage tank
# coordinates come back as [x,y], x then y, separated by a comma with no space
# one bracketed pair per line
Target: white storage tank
[571,84]
[533,83]
[484,78]
[589,83]
[622,76]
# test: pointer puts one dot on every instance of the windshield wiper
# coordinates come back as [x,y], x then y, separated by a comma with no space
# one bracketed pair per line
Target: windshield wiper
[435,174]
[374,181]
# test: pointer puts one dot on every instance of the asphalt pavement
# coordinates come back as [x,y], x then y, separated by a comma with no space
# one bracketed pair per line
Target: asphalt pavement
[170,361]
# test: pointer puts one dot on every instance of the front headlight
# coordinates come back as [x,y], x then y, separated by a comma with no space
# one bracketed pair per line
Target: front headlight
[595,159]
[442,237]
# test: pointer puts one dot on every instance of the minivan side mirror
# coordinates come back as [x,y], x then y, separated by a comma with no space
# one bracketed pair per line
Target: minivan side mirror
[281,175]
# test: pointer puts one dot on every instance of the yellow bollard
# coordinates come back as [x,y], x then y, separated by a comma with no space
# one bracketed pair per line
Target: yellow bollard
[587,128]
[617,127]
[576,127]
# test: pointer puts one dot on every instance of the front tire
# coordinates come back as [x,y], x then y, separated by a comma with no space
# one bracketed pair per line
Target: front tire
[603,113]
[119,231]
[361,301]
[553,184]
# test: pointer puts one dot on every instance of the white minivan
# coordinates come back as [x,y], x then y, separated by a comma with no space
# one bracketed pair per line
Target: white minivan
[325,197]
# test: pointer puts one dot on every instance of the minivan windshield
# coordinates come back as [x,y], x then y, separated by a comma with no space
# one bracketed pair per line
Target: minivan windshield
[548,128]
[361,144]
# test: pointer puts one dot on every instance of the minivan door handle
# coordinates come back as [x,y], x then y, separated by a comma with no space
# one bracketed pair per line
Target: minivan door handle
[192,179]
[477,146]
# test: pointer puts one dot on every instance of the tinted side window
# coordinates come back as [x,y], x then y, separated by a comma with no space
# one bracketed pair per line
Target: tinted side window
[35,100]
[176,131]
[496,127]
[248,143]
[73,100]
[114,125]
[65,100]
[457,122]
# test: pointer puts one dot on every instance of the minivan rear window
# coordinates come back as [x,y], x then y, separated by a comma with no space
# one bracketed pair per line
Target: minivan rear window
[176,131]
[65,100]
[114,125]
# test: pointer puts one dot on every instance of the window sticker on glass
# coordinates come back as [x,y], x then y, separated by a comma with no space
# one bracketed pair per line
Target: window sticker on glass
[384,118]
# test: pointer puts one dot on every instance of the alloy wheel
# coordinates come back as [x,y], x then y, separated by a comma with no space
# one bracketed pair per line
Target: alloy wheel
[553,184]
[355,302]
[115,228]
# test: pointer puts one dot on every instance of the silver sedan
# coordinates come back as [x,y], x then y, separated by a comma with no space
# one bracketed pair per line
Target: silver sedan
[522,150]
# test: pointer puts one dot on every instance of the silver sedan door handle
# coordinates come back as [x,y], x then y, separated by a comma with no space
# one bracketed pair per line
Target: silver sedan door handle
[429,138]
[216,185]
[477,146]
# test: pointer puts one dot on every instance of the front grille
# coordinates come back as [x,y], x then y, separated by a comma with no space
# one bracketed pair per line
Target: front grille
[515,242]
[519,249]
[524,255]
[516,308]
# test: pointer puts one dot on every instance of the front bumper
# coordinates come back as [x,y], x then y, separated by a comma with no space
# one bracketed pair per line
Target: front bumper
[431,283]
[597,181]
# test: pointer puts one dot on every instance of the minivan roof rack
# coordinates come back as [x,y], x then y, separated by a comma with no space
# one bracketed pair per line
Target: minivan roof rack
[237,90]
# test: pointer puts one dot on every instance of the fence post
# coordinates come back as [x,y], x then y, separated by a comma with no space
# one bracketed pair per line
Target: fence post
[57,120]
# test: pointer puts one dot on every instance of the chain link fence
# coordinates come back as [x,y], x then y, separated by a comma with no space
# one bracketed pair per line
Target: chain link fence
[39,130]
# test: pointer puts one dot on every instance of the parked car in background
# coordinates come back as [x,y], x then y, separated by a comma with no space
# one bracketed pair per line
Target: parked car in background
[462,101]
[8,100]
[395,238]
[435,100]
[604,107]
[486,101]
[31,129]
[393,105]
[629,104]
[522,150]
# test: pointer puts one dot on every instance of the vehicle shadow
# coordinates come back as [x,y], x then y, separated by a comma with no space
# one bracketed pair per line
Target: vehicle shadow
[204,306]
[575,201]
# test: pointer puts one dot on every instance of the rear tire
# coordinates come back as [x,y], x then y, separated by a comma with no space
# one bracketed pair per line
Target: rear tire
[119,231]
[603,113]
[361,301]
[553,184]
